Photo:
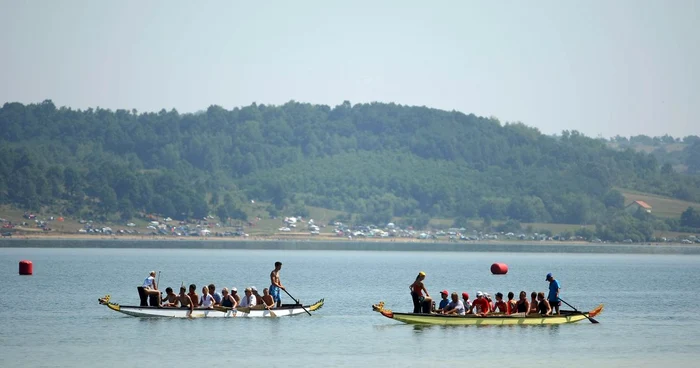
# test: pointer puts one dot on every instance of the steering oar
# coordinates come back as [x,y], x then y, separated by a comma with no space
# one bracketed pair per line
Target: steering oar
[576,310]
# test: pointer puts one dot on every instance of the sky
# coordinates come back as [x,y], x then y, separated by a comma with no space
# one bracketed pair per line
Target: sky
[604,68]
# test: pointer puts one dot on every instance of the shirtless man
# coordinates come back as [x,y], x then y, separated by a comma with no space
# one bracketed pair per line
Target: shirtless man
[234,295]
[276,284]
[185,300]
[171,298]
[267,299]
[193,295]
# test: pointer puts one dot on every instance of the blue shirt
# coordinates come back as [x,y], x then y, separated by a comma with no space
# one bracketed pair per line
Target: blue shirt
[553,289]
[444,303]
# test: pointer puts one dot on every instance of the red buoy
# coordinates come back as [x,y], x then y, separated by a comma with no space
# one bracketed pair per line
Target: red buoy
[499,268]
[26,267]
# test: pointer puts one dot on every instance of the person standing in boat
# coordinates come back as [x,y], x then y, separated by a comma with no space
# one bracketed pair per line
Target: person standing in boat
[420,303]
[149,288]
[553,296]
[227,300]
[207,300]
[276,284]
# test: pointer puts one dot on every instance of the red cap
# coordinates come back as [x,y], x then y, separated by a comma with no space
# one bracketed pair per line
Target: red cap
[465,295]
[445,292]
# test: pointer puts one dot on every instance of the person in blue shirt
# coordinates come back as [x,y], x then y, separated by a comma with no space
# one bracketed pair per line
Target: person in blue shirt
[444,302]
[553,296]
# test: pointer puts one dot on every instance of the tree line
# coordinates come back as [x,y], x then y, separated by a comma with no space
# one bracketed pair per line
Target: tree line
[376,161]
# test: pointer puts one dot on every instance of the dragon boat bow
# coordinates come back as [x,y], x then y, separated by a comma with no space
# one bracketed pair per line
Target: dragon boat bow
[218,312]
[491,319]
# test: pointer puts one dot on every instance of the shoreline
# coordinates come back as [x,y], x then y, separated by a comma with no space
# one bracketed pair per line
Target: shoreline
[303,238]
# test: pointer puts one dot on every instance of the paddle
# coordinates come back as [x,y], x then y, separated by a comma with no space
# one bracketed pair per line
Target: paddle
[576,310]
[296,301]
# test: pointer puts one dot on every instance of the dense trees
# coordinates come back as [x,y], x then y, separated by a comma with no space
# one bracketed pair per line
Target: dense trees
[375,160]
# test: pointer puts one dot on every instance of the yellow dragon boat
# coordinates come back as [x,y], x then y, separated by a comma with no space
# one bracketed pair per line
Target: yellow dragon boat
[566,316]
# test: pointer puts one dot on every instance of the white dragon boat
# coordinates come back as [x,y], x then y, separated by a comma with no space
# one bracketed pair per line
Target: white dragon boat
[217,312]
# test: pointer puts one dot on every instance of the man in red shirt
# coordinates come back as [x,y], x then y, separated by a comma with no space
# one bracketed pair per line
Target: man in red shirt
[480,305]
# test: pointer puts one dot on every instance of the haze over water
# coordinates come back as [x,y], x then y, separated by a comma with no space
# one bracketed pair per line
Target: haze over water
[52,318]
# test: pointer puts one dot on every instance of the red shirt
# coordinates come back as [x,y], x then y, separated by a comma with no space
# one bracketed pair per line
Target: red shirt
[501,307]
[481,304]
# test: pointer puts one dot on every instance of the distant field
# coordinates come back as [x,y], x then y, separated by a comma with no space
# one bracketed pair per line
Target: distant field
[661,206]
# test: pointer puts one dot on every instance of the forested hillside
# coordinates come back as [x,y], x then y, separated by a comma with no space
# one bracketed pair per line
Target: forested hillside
[373,160]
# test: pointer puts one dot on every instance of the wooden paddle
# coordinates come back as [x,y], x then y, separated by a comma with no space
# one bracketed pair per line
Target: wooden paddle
[297,301]
[576,310]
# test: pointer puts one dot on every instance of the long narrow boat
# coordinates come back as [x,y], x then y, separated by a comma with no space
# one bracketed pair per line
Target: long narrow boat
[221,312]
[493,319]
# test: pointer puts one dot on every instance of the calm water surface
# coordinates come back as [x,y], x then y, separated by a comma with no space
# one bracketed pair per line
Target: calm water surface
[52,318]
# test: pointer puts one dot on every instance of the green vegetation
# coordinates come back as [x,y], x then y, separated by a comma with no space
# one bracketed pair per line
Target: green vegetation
[369,162]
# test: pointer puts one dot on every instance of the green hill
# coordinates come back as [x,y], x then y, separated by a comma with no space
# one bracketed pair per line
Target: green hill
[373,161]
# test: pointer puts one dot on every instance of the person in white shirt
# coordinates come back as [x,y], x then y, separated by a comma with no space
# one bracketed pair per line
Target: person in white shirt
[456,306]
[148,289]
[248,300]
[207,300]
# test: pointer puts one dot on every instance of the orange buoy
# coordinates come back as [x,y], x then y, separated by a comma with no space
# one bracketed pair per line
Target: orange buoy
[499,268]
[26,267]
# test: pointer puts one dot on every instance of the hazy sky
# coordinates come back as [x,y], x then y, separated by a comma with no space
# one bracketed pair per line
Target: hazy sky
[600,67]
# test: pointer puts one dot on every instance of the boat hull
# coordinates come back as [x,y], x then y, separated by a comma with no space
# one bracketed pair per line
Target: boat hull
[467,320]
[153,312]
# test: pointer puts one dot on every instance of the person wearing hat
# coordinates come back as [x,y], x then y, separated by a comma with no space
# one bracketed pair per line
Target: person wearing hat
[258,297]
[480,305]
[234,295]
[444,302]
[553,296]
[421,304]
[465,300]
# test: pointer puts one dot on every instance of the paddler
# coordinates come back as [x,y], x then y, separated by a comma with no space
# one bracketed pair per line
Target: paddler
[185,300]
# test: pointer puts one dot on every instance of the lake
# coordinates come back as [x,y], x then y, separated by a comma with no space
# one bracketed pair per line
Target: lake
[52,318]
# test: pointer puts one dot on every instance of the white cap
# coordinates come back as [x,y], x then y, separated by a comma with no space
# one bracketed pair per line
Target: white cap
[252,288]
[233,289]
[479,293]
